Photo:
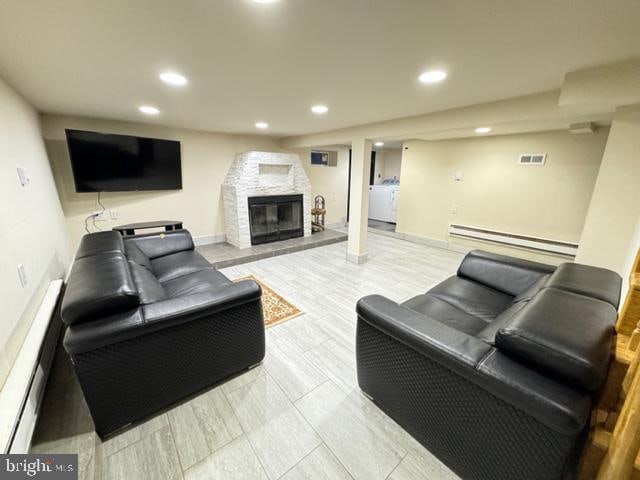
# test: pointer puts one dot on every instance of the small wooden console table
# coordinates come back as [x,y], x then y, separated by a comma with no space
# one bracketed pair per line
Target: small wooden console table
[130,229]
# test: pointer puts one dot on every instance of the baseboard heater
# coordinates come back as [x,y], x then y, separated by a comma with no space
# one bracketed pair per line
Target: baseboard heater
[545,245]
[23,389]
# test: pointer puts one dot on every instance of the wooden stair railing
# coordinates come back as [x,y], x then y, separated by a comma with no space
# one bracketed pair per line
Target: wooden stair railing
[613,449]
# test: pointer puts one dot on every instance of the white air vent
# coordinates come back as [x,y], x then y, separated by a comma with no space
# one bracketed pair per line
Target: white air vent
[532,159]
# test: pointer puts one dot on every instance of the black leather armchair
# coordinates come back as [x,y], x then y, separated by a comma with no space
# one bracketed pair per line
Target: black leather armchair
[150,322]
[495,369]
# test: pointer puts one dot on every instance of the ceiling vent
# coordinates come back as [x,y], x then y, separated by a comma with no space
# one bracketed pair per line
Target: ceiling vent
[532,159]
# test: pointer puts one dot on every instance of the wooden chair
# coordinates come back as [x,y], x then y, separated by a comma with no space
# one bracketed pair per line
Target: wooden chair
[612,451]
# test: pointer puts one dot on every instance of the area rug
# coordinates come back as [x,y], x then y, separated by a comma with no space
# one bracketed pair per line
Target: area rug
[275,308]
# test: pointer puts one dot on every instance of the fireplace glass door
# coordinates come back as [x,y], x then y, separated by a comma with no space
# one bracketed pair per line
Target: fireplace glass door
[275,217]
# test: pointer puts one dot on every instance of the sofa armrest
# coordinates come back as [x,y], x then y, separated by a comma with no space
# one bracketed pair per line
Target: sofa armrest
[558,407]
[448,346]
[157,316]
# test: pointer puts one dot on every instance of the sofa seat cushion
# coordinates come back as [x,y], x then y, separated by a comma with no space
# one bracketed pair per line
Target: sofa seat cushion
[179,264]
[564,334]
[593,282]
[445,313]
[488,333]
[201,281]
[472,298]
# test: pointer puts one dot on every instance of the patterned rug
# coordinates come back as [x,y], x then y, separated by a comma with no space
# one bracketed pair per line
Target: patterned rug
[275,308]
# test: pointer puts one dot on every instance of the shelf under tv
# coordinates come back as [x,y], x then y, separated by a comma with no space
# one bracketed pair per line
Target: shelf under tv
[130,228]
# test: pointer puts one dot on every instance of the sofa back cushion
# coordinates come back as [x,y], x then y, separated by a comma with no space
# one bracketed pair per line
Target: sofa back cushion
[586,280]
[564,334]
[149,288]
[99,285]
[506,274]
[134,254]
[156,245]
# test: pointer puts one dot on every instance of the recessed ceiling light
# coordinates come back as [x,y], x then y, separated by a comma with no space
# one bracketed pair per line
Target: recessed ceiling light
[379,144]
[432,76]
[319,109]
[262,125]
[483,129]
[173,78]
[149,110]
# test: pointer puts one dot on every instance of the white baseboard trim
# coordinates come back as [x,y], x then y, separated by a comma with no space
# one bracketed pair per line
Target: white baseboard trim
[431,242]
[335,225]
[356,259]
[384,233]
[209,239]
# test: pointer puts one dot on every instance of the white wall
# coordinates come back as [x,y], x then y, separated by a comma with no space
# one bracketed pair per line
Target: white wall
[550,201]
[330,182]
[32,232]
[206,158]
[392,163]
[615,206]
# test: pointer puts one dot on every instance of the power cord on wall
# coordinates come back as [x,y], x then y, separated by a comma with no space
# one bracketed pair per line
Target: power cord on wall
[93,217]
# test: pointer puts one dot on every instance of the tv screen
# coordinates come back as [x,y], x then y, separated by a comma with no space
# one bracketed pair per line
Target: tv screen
[103,162]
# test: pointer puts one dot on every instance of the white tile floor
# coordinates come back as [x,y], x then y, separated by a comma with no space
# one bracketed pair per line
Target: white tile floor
[299,415]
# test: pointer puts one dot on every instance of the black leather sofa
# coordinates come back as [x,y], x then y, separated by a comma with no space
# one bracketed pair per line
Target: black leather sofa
[150,322]
[494,370]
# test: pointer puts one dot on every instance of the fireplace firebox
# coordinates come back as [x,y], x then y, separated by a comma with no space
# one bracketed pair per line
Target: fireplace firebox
[275,217]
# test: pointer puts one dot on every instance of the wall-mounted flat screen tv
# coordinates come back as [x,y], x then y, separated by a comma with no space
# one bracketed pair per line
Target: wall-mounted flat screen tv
[104,162]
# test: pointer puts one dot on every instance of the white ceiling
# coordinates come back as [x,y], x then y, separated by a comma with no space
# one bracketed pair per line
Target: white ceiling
[247,61]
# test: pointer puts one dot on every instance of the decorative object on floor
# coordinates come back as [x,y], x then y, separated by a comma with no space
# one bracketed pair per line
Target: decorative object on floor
[500,364]
[150,321]
[275,308]
[318,212]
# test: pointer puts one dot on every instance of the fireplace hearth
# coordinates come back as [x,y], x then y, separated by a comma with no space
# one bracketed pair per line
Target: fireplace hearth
[275,217]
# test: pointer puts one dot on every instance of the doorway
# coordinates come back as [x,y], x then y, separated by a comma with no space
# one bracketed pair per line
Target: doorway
[372,178]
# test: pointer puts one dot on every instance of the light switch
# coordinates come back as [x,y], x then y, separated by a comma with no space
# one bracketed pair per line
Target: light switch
[22,175]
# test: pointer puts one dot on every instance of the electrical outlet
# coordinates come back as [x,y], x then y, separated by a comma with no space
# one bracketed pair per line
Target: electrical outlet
[99,216]
[114,214]
[454,209]
[22,274]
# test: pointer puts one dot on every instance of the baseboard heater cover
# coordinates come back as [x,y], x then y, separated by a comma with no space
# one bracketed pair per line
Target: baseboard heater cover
[546,245]
[22,392]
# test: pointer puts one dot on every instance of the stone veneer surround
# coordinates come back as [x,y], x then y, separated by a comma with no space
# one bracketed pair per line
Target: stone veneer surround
[254,174]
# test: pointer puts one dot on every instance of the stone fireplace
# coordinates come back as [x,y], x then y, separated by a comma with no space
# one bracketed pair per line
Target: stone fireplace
[273,190]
